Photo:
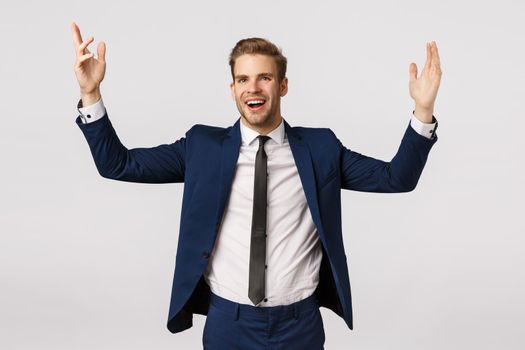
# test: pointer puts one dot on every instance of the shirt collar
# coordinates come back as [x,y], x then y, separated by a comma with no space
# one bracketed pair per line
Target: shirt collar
[249,135]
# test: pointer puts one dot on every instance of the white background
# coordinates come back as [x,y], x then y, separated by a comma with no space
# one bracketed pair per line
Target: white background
[87,263]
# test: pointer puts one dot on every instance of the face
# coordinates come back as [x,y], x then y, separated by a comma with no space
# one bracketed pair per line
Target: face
[257,91]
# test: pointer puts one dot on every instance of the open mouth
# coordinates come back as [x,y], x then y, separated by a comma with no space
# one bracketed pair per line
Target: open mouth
[256,104]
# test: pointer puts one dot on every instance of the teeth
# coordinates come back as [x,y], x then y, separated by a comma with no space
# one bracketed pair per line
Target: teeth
[255,101]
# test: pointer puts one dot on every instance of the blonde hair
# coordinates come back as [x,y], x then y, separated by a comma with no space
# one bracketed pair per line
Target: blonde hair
[259,46]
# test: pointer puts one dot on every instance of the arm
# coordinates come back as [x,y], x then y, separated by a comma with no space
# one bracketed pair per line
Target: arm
[161,164]
[401,174]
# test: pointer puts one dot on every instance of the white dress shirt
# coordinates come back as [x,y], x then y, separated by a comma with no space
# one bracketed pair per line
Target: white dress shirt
[293,247]
[293,250]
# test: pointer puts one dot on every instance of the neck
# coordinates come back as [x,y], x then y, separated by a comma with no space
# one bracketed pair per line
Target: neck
[264,130]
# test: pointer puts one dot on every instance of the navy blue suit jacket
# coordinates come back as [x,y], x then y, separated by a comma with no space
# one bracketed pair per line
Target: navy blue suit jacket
[205,161]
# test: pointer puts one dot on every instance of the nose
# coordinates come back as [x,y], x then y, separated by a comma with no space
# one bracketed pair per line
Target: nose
[253,86]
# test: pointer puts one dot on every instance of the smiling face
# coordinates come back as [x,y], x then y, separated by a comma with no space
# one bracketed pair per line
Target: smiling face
[257,91]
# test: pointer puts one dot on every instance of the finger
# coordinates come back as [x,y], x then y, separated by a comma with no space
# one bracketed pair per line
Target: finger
[101,51]
[83,46]
[429,58]
[77,38]
[437,61]
[431,50]
[83,58]
[412,71]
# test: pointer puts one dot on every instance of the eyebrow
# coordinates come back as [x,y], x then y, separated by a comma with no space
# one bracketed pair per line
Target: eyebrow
[258,75]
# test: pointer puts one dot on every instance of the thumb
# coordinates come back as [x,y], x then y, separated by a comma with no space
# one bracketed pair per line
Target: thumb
[101,51]
[413,71]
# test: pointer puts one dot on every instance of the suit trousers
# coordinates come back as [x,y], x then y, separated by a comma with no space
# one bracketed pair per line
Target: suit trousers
[233,326]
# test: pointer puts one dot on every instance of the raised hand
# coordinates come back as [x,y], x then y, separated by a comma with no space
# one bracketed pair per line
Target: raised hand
[424,89]
[89,69]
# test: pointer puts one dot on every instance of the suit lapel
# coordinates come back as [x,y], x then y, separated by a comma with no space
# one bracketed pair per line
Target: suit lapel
[229,153]
[303,162]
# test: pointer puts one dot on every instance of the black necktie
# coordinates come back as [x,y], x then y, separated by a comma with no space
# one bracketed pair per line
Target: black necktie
[258,240]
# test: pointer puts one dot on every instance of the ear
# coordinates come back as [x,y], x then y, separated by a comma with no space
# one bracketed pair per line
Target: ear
[284,87]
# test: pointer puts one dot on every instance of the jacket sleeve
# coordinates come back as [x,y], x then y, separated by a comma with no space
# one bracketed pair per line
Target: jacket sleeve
[161,164]
[401,174]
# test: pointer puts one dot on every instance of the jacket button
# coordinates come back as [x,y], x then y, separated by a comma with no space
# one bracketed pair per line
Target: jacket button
[205,254]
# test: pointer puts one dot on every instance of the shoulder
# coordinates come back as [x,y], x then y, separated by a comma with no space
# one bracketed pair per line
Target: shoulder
[321,142]
[210,131]
[311,133]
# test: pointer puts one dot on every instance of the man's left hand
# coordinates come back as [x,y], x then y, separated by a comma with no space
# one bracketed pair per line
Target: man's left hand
[424,89]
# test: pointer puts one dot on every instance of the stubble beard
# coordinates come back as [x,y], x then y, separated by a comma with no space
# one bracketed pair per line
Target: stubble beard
[260,119]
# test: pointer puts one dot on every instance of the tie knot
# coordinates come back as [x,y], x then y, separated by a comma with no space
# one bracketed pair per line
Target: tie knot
[262,140]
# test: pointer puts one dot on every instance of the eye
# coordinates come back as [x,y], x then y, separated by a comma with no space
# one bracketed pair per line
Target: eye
[241,80]
[266,77]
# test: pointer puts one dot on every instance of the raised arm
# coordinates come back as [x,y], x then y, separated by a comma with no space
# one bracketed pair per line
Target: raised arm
[161,164]
[401,174]
[366,174]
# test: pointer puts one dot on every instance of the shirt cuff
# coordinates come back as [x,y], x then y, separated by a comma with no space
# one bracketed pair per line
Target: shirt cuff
[91,113]
[425,129]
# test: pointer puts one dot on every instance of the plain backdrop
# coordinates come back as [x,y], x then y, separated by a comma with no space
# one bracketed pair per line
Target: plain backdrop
[87,262]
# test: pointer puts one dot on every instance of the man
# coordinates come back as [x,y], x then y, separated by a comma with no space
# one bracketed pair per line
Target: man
[260,245]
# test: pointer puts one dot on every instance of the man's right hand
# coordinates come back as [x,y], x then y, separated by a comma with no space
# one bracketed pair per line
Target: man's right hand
[89,69]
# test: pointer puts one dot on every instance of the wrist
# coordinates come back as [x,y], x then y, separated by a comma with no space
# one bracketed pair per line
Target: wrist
[424,114]
[91,97]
